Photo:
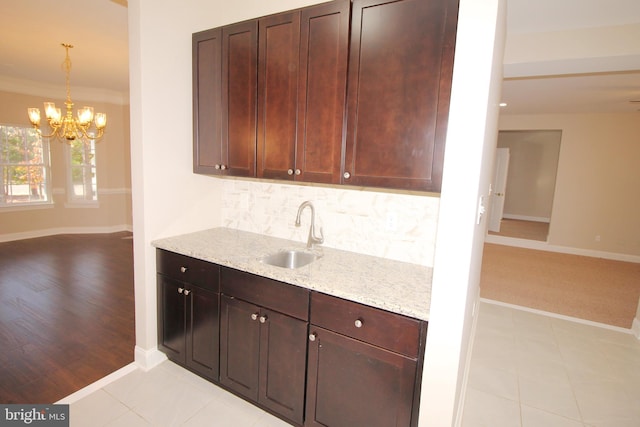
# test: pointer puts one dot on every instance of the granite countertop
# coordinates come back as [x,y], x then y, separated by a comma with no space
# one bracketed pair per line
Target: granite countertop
[396,286]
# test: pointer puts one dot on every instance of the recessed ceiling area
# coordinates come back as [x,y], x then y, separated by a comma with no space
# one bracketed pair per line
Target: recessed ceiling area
[572,56]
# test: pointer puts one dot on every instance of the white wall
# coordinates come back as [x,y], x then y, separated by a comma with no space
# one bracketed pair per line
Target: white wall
[468,170]
[531,179]
[596,205]
[169,199]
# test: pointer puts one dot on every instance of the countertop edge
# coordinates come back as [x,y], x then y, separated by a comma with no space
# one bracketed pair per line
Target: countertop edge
[357,277]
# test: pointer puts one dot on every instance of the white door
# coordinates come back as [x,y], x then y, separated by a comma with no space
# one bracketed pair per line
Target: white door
[499,187]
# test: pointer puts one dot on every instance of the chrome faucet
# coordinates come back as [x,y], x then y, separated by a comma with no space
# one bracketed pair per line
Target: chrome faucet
[312,232]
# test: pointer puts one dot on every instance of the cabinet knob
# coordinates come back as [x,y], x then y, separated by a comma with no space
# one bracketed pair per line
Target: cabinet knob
[289,171]
[223,167]
[187,291]
[313,336]
[254,316]
[180,290]
[358,323]
[346,175]
[183,269]
[298,171]
[263,319]
[217,167]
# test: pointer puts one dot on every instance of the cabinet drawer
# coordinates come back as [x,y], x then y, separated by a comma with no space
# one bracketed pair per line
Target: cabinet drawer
[187,269]
[268,293]
[378,327]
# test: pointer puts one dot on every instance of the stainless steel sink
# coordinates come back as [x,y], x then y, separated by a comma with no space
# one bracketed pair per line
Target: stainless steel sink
[289,259]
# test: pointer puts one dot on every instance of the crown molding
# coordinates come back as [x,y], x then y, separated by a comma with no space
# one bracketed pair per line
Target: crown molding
[50,91]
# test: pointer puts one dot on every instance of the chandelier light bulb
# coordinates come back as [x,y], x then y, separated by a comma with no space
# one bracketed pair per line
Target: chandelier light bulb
[34,116]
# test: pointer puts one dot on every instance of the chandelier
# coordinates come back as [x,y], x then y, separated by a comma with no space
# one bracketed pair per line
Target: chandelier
[68,127]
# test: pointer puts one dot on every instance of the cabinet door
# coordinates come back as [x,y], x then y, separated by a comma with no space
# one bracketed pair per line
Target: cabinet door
[171,318]
[203,332]
[352,383]
[239,90]
[239,346]
[400,68]
[207,97]
[324,44]
[278,49]
[283,355]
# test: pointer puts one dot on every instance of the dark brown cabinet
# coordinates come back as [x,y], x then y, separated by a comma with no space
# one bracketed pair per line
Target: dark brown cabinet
[263,348]
[400,68]
[273,93]
[307,357]
[302,72]
[224,100]
[188,316]
[207,101]
[364,365]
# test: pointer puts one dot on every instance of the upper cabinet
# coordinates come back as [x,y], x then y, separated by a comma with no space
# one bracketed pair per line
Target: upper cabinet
[225,63]
[289,96]
[207,101]
[400,67]
[302,75]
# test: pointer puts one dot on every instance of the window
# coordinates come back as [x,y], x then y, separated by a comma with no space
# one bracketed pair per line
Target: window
[82,180]
[24,166]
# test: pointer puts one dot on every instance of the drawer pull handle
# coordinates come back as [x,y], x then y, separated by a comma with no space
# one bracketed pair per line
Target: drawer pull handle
[358,323]
[187,291]
[254,316]
[263,319]
[313,336]
[183,269]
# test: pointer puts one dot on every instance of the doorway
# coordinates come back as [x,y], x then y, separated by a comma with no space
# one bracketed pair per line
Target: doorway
[530,182]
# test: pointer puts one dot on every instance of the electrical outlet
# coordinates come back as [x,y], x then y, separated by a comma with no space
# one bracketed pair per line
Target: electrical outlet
[597,238]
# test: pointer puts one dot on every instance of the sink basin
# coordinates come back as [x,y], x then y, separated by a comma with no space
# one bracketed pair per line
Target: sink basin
[289,259]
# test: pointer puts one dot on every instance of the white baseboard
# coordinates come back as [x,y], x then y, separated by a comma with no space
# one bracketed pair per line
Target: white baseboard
[65,230]
[148,359]
[544,246]
[93,387]
[527,218]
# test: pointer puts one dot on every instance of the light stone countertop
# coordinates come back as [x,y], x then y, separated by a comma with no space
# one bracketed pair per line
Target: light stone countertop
[391,285]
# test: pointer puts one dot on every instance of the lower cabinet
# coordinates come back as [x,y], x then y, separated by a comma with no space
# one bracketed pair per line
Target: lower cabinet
[263,352]
[307,357]
[363,367]
[188,317]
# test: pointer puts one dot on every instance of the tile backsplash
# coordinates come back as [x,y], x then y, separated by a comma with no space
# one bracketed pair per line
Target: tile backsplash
[387,225]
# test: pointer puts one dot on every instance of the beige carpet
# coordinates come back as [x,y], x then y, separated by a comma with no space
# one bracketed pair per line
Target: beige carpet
[588,288]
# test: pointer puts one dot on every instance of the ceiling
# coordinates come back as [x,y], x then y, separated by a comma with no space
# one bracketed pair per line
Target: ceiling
[31,32]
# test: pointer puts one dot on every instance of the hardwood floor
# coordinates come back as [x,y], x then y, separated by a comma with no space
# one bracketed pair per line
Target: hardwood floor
[66,314]
[530,230]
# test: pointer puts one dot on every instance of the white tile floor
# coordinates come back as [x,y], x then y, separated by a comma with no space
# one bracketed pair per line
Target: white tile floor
[531,370]
[166,396]
[527,370]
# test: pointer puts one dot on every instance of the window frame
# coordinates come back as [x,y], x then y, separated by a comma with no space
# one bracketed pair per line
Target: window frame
[72,200]
[46,186]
